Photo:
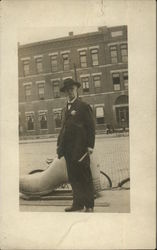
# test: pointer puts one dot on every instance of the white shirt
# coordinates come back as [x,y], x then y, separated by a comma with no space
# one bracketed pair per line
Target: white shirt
[70,102]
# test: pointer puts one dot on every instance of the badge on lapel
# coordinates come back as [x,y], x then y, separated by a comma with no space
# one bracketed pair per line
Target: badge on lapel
[73,112]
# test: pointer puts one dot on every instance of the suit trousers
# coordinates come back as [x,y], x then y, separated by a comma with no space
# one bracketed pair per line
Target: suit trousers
[80,178]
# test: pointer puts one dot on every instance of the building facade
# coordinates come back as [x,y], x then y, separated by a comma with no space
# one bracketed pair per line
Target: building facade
[98,60]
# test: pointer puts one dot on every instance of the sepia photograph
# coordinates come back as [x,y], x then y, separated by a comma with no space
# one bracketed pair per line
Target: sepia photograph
[74,120]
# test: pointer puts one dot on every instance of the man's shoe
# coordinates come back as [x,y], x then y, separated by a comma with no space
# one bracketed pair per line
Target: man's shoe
[89,210]
[73,209]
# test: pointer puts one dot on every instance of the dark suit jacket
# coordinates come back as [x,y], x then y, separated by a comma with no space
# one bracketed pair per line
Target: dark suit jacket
[77,132]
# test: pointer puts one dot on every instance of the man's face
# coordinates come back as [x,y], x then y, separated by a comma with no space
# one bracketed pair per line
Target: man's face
[71,92]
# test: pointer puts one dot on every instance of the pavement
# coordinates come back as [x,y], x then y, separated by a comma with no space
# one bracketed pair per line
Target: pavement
[113,159]
[109,201]
[48,138]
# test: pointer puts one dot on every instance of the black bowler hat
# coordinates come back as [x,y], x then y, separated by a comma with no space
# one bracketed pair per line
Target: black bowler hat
[68,83]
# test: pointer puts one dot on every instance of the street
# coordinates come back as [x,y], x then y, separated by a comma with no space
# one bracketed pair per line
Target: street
[113,159]
[113,155]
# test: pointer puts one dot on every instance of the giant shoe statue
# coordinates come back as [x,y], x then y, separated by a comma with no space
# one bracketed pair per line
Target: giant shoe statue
[42,183]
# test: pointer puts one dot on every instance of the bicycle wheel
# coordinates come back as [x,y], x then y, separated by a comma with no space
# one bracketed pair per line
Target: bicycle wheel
[124,183]
[105,181]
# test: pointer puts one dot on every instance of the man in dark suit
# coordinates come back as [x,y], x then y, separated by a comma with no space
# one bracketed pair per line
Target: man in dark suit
[76,142]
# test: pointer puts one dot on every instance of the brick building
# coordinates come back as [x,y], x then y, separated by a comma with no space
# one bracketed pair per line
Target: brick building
[98,60]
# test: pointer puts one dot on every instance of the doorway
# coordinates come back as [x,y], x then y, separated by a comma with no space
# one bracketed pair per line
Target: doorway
[122,116]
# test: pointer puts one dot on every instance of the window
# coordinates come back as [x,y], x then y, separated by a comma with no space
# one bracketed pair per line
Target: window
[39,64]
[85,84]
[28,92]
[97,82]
[26,69]
[124,52]
[57,117]
[43,120]
[94,53]
[116,81]
[116,33]
[125,79]
[83,59]
[100,115]
[113,52]
[30,121]
[66,62]
[54,62]
[56,89]
[41,91]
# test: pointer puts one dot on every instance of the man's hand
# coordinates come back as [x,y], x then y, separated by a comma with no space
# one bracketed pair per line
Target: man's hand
[90,150]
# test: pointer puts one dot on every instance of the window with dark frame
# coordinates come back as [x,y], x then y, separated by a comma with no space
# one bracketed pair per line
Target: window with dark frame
[95,59]
[56,89]
[26,67]
[97,82]
[116,81]
[85,84]
[125,79]
[100,115]
[39,64]
[28,92]
[83,59]
[66,61]
[43,120]
[113,53]
[30,122]
[124,52]
[57,118]
[41,91]
[54,63]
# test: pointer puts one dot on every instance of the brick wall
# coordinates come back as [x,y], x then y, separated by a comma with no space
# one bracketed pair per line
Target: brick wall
[106,95]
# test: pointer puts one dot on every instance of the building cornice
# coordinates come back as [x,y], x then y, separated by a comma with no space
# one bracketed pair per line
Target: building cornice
[99,32]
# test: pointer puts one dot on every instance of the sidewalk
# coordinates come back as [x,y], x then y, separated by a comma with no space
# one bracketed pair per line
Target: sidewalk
[50,138]
[110,201]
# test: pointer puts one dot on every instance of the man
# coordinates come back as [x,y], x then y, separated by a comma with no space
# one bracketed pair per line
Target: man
[76,142]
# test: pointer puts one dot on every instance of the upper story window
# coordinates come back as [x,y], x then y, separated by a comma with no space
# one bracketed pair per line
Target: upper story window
[39,64]
[124,52]
[28,92]
[83,59]
[56,88]
[116,81]
[97,81]
[43,119]
[41,90]
[125,79]
[57,117]
[100,115]
[54,63]
[26,67]
[116,33]
[66,61]
[30,121]
[95,59]
[85,84]
[113,53]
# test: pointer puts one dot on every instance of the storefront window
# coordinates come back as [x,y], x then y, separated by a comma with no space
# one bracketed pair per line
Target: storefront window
[43,120]
[57,117]
[30,122]
[100,115]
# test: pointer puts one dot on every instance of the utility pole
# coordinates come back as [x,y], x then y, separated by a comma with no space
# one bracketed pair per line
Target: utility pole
[75,72]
